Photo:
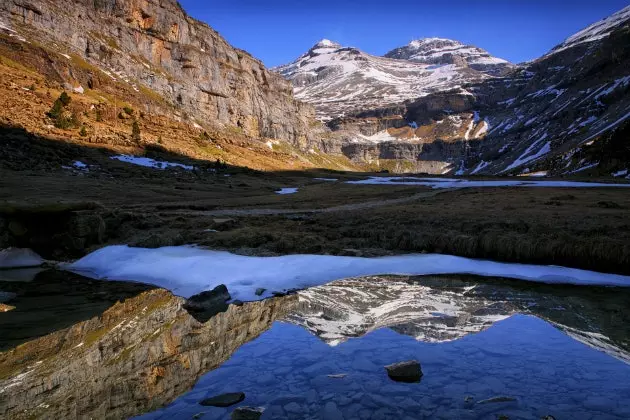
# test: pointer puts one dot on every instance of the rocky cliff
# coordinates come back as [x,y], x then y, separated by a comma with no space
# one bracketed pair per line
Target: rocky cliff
[154,46]
[137,356]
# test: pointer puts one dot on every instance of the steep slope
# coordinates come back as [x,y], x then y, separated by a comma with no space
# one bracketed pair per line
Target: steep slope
[447,51]
[340,80]
[558,115]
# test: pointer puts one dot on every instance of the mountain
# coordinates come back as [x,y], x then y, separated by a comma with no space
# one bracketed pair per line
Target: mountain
[178,78]
[447,51]
[436,309]
[339,80]
[434,105]
[458,110]
[563,113]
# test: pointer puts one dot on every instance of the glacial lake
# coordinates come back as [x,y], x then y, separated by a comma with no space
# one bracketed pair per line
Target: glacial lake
[489,348]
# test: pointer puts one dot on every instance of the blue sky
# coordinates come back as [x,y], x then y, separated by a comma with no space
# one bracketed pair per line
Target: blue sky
[278,31]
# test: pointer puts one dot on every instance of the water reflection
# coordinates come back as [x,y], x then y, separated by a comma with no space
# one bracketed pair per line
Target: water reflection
[476,338]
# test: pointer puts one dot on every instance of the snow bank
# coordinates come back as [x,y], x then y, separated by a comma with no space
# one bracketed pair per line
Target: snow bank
[465,183]
[188,270]
[150,163]
[19,258]
[285,191]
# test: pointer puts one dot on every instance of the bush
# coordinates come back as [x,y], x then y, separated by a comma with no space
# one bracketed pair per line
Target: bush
[99,115]
[83,132]
[65,99]
[61,117]
[128,110]
[135,132]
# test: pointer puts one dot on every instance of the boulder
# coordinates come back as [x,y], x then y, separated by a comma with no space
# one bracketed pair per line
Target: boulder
[247,413]
[409,371]
[207,304]
[224,400]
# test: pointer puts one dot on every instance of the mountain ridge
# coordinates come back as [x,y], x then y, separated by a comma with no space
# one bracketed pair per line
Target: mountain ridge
[542,116]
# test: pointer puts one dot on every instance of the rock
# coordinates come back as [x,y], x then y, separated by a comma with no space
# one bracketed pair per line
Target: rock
[293,407]
[224,400]
[247,413]
[237,302]
[338,376]
[260,291]
[409,371]
[500,399]
[207,304]
[17,229]
[331,412]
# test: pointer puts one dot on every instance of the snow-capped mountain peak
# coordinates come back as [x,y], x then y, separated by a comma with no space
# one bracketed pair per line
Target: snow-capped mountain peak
[326,43]
[442,51]
[339,80]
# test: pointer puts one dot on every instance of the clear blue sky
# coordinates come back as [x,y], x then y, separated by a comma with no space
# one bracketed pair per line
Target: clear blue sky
[278,31]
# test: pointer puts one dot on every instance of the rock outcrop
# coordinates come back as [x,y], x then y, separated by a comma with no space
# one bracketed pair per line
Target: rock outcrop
[154,46]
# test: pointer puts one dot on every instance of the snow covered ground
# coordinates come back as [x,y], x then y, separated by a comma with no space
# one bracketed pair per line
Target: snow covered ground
[150,163]
[285,191]
[465,183]
[188,270]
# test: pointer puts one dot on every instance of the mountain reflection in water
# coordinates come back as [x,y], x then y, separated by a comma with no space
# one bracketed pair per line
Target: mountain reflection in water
[477,338]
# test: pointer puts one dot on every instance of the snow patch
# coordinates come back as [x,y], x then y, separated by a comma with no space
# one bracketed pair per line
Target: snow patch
[150,163]
[187,271]
[465,183]
[285,191]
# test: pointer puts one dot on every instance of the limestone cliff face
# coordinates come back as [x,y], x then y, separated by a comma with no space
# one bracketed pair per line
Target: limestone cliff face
[137,356]
[154,44]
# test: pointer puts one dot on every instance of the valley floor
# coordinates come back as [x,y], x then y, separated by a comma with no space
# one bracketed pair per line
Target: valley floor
[235,209]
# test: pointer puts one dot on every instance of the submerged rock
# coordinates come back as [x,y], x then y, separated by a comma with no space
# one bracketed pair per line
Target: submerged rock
[500,399]
[224,400]
[331,411]
[409,371]
[260,291]
[247,413]
[6,308]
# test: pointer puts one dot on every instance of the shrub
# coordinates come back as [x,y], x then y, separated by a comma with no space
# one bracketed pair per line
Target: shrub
[135,132]
[61,117]
[99,115]
[128,110]
[83,132]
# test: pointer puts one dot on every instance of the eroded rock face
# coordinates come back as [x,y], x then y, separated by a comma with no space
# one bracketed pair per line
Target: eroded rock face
[137,356]
[154,44]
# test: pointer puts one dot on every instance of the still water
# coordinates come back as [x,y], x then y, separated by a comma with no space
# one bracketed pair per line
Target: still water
[489,349]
